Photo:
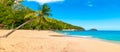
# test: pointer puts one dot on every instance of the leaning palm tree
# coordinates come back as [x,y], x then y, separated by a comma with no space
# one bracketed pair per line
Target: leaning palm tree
[41,14]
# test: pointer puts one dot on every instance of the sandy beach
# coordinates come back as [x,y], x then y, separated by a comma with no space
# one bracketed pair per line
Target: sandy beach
[49,41]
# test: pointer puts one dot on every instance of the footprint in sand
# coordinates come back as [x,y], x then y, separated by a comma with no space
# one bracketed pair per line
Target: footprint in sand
[2,48]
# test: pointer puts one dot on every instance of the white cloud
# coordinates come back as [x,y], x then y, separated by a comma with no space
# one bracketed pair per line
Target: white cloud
[90,5]
[46,1]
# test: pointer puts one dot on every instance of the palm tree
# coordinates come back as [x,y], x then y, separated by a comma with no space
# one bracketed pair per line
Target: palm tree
[41,14]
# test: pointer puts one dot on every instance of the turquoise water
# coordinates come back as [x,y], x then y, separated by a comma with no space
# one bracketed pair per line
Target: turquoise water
[104,35]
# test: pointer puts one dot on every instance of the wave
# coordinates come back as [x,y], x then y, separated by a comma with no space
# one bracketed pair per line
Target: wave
[65,33]
[82,36]
[86,36]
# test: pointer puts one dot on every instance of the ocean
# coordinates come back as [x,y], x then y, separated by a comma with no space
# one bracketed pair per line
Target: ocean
[112,36]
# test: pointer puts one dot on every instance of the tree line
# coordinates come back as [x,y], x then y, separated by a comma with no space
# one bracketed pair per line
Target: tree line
[13,14]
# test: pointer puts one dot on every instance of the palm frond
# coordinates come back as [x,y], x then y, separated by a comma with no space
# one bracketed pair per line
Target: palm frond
[31,15]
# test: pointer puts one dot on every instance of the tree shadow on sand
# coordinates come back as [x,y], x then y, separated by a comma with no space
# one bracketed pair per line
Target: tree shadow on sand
[58,35]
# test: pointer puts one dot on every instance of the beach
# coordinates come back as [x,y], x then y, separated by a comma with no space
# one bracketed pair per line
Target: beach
[49,41]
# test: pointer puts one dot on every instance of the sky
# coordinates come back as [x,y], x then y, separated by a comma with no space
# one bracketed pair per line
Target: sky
[99,14]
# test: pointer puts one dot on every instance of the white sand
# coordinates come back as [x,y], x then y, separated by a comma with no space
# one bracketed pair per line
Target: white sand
[42,41]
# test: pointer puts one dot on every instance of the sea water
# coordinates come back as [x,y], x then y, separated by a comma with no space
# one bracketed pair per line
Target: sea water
[113,36]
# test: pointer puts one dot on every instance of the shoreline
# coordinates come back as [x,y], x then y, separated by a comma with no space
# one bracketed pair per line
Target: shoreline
[50,41]
[109,41]
[90,37]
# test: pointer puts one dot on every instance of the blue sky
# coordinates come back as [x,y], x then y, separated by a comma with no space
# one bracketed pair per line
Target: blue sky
[99,14]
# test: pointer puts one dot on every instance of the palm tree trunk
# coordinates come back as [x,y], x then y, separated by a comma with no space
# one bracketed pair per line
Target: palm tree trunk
[17,28]
[40,20]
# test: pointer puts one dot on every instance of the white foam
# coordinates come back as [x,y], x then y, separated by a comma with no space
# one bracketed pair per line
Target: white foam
[86,36]
[82,36]
[65,33]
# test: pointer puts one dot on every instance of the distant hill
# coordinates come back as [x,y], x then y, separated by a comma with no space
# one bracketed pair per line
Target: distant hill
[53,24]
[93,29]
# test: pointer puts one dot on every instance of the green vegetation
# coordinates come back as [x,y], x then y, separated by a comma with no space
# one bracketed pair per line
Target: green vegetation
[14,15]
